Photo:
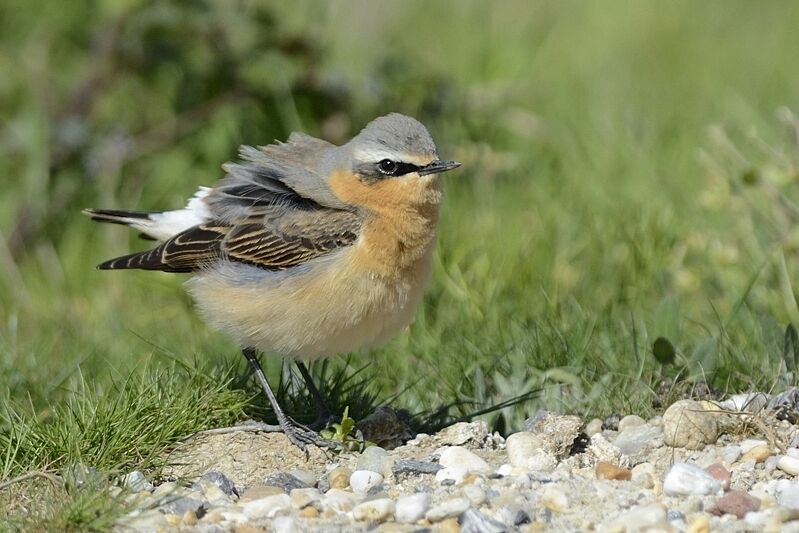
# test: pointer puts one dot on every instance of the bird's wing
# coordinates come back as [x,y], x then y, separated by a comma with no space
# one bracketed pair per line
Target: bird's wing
[283,174]
[270,243]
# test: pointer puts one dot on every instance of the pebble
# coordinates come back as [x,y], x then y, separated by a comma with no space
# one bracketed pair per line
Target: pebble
[699,524]
[462,432]
[301,498]
[363,480]
[611,422]
[339,478]
[554,500]
[136,481]
[686,479]
[787,494]
[179,506]
[377,510]
[450,525]
[530,451]
[593,427]
[474,494]
[339,501]
[221,481]
[735,502]
[257,492]
[212,493]
[473,521]
[686,424]
[730,454]
[605,470]
[558,431]
[411,508]
[630,421]
[375,459]
[285,481]
[409,466]
[635,439]
[639,518]
[266,507]
[720,474]
[447,509]
[748,444]
[457,456]
[758,454]
[789,465]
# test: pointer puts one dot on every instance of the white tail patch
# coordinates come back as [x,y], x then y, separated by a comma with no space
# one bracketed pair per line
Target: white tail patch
[165,225]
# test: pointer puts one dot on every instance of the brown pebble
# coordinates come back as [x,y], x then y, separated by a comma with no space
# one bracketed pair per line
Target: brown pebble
[256,492]
[450,525]
[699,524]
[308,512]
[172,519]
[735,502]
[758,454]
[721,474]
[189,518]
[339,478]
[609,471]
[246,528]
[214,517]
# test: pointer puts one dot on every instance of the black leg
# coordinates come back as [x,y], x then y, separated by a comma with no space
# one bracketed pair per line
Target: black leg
[323,415]
[298,434]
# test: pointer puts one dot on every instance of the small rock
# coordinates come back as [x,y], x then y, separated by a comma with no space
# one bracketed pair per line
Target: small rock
[720,474]
[305,476]
[81,475]
[452,475]
[281,524]
[611,422]
[456,456]
[630,421]
[386,427]
[301,498]
[285,481]
[786,405]
[308,512]
[363,480]
[377,510]
[686,479]
[137,482]
[212,493]
[256,492]
[339,501]
[686,424]
[751,402]
[644,475]
[758,454]
[531,451]
[411,508]
[593,427]
[554,500]
[266,507]
[699,524]
[473,521]
[474,494]
[788,494]
[789,465]
[608,471]
[339,478]
[410,466]
[748,444]
[600,449]
[178,506]
[462,433]
[448,508]
[635,439]
[222,481]
[558,431]
[450,525]
[375,459]
[730,454]
[640,518]
[736,503]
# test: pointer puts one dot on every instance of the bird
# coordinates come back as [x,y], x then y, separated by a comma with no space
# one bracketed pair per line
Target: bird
[305,249]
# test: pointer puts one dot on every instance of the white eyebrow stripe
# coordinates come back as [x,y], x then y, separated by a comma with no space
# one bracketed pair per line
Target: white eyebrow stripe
[374,155]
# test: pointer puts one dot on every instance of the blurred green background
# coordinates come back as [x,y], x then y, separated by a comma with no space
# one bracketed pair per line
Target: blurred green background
[630,172]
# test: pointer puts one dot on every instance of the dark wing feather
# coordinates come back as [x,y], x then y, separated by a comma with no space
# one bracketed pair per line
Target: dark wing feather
[288,241]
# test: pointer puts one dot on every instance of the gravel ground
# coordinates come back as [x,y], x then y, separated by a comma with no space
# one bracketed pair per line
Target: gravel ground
[702,466]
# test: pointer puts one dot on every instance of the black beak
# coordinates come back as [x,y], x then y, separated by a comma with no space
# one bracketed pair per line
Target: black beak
[438,166]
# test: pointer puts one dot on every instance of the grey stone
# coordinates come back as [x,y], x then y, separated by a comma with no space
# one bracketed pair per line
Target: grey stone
[222,481]
[374,459]
[473,521]
[410,466]
[80,475]
[448,508]
[411,508]
[560,431]
[181,504]
[611,422]
[285,481]
[462,433]
[635,439]
[137,482]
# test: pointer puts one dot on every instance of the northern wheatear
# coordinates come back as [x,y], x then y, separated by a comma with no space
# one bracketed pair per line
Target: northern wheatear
[305,249]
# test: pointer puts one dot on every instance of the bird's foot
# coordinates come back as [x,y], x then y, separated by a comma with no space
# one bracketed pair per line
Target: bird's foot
[301,436]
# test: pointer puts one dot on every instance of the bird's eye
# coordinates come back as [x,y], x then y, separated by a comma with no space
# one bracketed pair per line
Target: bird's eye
[387,166]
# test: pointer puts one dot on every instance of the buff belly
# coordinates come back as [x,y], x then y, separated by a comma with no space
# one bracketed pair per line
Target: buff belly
[329,306]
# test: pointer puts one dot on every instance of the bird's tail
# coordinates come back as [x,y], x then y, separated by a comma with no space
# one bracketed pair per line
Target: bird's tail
[140,220]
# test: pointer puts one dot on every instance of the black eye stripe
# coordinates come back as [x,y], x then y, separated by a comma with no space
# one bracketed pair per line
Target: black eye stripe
[401,168]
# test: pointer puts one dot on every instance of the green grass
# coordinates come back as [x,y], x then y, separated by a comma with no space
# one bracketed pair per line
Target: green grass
[630,172]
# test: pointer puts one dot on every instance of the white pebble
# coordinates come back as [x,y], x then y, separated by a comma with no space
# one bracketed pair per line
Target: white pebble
[793,452]
[411,508]
[363,480]
[447,509]
[457,456]
[284,524]
[748,444]
[640,518]
[455,473]
[730,454]
[788,494]
[377,510]
[630,421]
[266,507]
[555,500]
[686,424]
[339,501]
[789,465]
[530,451]
[593,427]
[475,494]
[685,479]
